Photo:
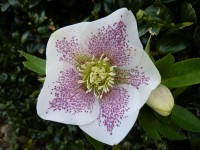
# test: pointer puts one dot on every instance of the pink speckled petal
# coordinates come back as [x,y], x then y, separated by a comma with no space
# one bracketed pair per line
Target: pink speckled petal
[150,78]
[132,29]
[118,113]
[64,44]
[62,100]
[142,73]
[112,36]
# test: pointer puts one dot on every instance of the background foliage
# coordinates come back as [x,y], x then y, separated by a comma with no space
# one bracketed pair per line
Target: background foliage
[27,24]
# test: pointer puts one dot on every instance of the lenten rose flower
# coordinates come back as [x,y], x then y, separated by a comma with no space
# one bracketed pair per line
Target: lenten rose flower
[97,76]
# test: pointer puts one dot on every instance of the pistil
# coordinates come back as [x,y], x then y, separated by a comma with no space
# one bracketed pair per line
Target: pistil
[97,75]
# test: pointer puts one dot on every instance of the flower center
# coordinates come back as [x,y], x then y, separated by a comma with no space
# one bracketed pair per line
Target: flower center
[97,75]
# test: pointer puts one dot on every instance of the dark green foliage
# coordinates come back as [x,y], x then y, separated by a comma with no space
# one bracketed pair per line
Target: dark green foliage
[97,145]
[183,73]
[180,116]
[169,127]
[197,36]
[27,24]
[165,64]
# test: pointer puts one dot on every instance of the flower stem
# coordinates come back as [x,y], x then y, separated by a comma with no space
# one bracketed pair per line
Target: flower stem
[147,49]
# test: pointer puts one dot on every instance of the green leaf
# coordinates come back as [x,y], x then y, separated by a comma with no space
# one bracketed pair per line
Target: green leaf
[170,131]
[183,73]
[160,12]
[188,14]
[158,126]
[34,63]
[147,50]
[197,36]
[14,3]
[3,106]
[41,80]
[155,29]
[33,3]
[97,145]
[140,14]
[164,64]
[147,121]
[179,91]
[172,43]
[185,119]
[4,7]
[180,26]
[24,36]
[3,77]
[35,93]
[143,28]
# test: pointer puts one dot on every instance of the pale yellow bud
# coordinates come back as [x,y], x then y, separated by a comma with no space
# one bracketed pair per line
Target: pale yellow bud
[161,100]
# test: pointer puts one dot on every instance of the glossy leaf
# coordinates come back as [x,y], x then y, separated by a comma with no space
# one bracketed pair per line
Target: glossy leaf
[4,7]
[188,14]
[183,73]
[164,64]
[143,28]
[158,126]
[179,90]
[3,77]
[34,63]
[170,131]
[172,43]
[24,36]
[14,3]
[180,26]
[155,29]
[159,12]
[148,123]
[33,3]
[185,119]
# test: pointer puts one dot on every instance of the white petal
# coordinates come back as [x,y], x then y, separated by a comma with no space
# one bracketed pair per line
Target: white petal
[132,29]
[149,70]
[62,100]
[63,43]
[135,57]
[118,113]
[142,73]
[112,36]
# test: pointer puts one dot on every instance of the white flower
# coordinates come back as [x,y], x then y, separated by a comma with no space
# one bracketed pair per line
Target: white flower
[161,100]
[97,76]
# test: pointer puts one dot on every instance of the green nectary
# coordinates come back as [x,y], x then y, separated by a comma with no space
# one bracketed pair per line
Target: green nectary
[97,75]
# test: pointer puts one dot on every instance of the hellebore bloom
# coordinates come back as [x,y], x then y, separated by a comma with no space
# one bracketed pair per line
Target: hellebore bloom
[161,100]
[97,76]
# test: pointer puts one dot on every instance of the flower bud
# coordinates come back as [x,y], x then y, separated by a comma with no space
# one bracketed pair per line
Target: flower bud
[161,100]
[140,14]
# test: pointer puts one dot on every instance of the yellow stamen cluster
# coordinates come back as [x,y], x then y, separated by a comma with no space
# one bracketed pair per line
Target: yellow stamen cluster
[97,75]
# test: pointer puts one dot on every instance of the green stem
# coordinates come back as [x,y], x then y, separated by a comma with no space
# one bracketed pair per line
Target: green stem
[147,49]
